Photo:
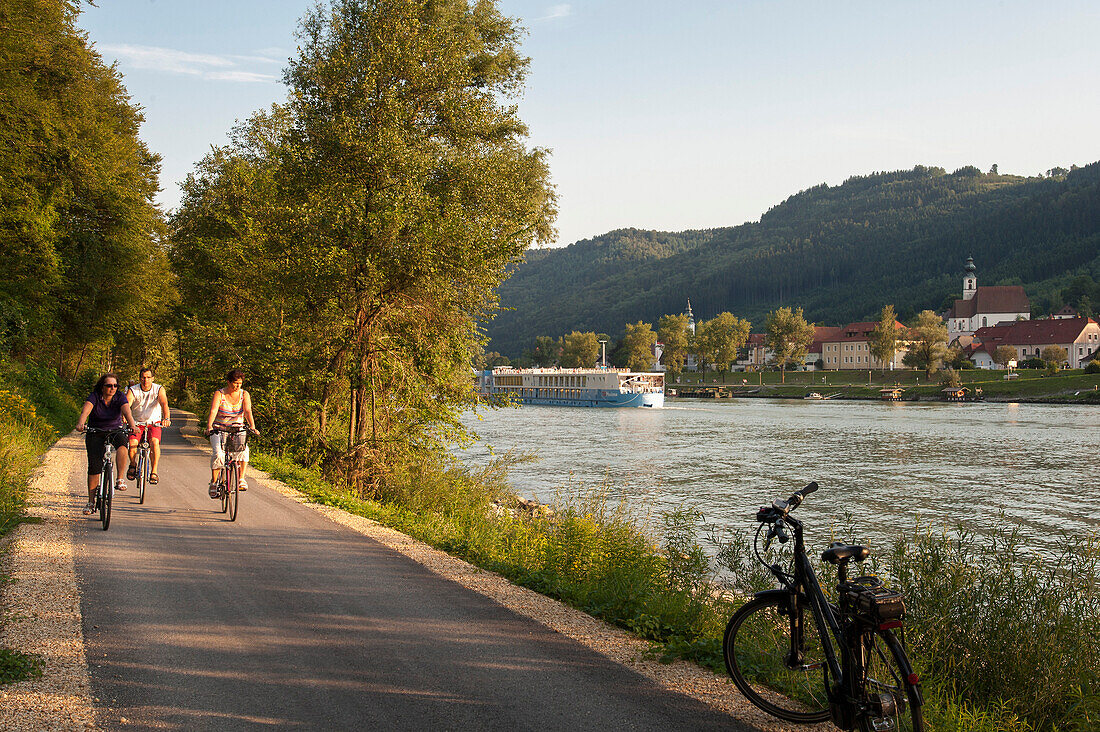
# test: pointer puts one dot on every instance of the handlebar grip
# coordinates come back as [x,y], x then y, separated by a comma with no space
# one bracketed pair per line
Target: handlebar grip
[796,498]
[810,488]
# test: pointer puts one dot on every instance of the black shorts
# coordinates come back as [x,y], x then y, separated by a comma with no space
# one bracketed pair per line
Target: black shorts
[94,445]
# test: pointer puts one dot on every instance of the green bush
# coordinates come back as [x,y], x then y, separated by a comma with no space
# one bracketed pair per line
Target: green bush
[1093,367]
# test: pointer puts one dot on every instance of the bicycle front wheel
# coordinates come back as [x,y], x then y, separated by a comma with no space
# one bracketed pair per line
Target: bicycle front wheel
[107,492]
[786,679]
[231,489]
[893,702]
[142,475]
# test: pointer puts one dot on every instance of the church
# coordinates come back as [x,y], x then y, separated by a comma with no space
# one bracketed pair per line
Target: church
[984,306]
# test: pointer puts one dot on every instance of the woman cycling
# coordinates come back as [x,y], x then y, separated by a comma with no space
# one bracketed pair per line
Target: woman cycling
[230,406]
[105,409]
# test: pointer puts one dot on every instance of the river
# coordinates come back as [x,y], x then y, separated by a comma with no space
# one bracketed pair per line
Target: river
[887,464]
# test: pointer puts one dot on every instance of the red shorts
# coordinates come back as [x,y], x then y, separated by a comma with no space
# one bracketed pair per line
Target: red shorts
[154,433]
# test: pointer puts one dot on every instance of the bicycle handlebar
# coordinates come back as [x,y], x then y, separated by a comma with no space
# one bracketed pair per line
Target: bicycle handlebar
[88,429]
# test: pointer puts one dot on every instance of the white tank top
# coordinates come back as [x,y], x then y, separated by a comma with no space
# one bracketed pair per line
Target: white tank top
[146,406]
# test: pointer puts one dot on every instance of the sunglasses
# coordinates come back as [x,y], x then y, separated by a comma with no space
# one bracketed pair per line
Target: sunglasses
[110,386]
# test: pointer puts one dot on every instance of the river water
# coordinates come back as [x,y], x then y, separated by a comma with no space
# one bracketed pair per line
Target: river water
[889,465]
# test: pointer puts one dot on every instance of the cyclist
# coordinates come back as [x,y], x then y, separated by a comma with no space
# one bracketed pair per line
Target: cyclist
[231,406]
[105,409]
[149,405]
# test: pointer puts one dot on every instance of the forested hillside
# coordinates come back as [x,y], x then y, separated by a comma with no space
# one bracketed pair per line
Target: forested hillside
[839,252]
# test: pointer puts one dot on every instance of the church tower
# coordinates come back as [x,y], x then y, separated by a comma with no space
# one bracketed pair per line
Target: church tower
[691,319]
[970,280]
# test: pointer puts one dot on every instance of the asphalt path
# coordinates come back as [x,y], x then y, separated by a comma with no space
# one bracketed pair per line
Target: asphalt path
[284,619]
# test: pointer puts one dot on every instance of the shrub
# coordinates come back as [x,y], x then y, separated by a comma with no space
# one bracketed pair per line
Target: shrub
[1093,367]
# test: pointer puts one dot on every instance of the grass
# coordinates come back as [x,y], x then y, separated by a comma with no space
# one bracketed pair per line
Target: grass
[1003,638]
[1072,385]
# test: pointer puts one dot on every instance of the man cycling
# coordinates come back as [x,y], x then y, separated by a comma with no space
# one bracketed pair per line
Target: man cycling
[149,405]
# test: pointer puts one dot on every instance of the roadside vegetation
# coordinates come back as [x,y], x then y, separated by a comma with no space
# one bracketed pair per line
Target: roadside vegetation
[33,410]
[1003,637]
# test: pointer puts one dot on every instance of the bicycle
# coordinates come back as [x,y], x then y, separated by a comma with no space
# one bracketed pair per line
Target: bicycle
[228,485]
[143,462]
[106,490]
[770,647]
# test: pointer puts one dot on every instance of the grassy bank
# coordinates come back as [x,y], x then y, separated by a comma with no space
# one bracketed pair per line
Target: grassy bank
[34,409]
[977,606]
[1028,385]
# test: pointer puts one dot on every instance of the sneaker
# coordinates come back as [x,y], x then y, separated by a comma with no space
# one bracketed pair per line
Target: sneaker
[242,486]
[121,486]
[214,490]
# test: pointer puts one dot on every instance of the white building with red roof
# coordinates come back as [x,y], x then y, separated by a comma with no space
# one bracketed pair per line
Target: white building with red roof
[1080,337]
[981,307]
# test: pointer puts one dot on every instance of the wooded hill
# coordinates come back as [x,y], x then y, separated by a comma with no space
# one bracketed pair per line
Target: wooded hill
[839,252]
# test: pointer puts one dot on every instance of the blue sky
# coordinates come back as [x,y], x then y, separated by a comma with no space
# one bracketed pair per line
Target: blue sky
[684,115]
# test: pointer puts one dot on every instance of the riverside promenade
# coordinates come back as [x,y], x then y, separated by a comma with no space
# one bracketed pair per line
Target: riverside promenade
[303,616]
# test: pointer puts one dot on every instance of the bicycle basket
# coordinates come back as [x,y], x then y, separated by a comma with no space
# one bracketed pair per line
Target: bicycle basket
[867,596]
[236,441]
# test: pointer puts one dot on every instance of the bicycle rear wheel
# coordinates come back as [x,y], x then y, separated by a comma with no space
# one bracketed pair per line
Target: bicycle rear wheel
[106,493]
[758,652]
[232,486]
[893,701]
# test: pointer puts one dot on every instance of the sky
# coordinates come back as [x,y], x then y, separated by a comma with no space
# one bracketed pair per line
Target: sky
[688,115]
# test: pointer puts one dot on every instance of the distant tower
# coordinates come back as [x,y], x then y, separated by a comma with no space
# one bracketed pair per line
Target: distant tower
[970,280]
[691,319]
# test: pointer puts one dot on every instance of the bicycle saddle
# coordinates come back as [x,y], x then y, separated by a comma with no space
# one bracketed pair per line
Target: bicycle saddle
[838,553]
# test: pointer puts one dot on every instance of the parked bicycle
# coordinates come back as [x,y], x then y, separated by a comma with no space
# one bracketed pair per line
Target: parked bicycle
[779,647]
[106,490]
[228,485]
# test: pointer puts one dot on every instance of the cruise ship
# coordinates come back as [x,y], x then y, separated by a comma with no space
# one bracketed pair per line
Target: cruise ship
[574,387]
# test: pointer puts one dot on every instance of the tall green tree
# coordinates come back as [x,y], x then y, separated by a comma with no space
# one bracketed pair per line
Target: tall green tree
[788,335]
[376,214]
[721,338]
[579,350]
[673,334]
[547,351]
[79,231]
[929,343]
[638,342]
[884,338]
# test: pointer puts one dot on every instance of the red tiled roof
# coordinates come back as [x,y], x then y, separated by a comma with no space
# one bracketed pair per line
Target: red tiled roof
[999,299]
[860,331]
[756,340]
[1032,332]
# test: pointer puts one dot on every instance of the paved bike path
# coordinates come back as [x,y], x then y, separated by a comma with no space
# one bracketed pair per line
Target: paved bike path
[286,619]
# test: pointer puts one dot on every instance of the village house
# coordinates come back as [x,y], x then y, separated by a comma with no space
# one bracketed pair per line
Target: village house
[850,347]
[981,307]
[1080,337]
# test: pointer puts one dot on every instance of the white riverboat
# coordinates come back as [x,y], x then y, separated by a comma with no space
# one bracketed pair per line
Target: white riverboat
[574,387]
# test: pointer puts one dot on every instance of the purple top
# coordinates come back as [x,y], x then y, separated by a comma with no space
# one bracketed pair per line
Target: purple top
[106,416]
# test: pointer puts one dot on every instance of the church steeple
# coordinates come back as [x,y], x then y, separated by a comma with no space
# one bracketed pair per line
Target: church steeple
[970,280]
[691,318]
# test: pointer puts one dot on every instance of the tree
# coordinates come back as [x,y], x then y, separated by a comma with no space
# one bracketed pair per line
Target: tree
[579,350]
[721,338]
[788,336]
[77,218]
[1054,357]
[547,351]
[638,343]
[672,332]
[396,191]
[884,337]
[929,343]
[1004,355]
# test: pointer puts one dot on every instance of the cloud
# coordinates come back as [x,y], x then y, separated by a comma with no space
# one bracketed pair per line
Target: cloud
[171,61]
[556,11]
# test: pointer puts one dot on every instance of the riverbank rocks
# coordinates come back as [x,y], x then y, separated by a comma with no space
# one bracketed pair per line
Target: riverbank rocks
[521,508]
